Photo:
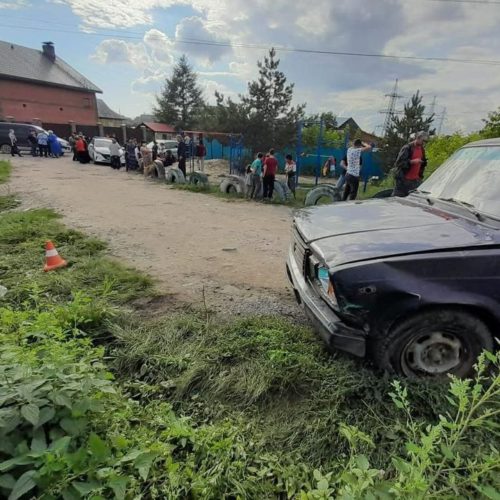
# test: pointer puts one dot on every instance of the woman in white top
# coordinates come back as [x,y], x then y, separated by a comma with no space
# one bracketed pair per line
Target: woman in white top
[290,171]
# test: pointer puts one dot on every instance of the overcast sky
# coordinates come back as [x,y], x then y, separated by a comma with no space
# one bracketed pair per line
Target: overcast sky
[128,47]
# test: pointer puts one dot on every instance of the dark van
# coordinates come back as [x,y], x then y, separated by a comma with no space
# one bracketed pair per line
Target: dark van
[22,131]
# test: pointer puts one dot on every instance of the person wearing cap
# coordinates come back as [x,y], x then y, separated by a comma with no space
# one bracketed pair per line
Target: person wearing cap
[410,165]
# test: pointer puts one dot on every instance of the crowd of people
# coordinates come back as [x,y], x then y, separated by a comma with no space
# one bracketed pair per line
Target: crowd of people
[42,144]
[261,174]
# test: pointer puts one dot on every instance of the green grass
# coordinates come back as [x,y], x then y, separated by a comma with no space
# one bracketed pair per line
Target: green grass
[275,375]
[5,169]
[203,407]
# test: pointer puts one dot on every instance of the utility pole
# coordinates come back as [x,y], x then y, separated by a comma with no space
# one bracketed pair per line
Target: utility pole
[391,108]
[433,106]
[441,121]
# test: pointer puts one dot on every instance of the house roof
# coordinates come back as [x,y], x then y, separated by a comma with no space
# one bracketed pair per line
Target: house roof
[343,122]
[22,63]
[161,128]
[104,111]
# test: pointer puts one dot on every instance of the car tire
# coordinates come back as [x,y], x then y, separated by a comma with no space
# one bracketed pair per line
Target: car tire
[198,179]
[175,176]
[5,149]
[433,344]
[282,190]
[231,185]
[328,191]
[160,170]
[385,193]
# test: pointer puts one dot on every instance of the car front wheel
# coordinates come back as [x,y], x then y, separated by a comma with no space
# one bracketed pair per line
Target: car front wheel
[433,344]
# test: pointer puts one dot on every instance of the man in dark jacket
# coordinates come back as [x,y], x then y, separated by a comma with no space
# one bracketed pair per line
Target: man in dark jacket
[181,153]
[410,165]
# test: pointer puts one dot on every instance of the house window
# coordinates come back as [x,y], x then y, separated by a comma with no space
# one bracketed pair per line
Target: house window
[86,102]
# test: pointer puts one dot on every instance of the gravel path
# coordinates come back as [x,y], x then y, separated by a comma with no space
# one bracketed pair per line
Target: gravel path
[189,242]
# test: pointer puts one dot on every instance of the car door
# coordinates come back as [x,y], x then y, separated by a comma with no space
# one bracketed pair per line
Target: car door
[22,133]
[91,149]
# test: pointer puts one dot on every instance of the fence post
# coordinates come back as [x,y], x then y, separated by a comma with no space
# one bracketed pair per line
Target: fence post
[298,152]
[318,158]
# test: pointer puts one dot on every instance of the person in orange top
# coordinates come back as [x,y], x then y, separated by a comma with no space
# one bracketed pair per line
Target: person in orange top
[82,151]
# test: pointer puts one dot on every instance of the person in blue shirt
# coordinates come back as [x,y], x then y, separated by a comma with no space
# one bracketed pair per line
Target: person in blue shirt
[256,169]
[55,149]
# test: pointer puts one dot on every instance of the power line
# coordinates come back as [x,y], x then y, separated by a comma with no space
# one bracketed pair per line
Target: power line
[210,43]
[477,2]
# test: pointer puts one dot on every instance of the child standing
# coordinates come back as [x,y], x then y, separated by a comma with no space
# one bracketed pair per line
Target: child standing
[248,181]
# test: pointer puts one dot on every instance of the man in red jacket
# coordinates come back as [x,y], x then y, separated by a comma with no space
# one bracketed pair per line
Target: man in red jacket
[410,165]
[270,169]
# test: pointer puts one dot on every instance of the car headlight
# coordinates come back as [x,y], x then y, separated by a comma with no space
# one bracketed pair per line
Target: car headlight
[327,285]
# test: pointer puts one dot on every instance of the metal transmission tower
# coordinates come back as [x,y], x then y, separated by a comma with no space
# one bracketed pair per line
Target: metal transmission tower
[391,109]
[432,108]
[441,121]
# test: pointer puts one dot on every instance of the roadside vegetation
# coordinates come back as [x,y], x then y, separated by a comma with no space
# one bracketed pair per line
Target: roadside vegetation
[100,398]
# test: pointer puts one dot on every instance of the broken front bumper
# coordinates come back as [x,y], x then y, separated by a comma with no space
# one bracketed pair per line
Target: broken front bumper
[334,332]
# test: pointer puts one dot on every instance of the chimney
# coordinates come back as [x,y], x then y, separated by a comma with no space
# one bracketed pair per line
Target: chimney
[49,50]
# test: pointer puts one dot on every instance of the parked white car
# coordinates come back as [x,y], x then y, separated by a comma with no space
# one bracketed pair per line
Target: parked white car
[164,145]
[99,151]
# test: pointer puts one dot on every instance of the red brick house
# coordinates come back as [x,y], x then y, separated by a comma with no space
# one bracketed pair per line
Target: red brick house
[36,86]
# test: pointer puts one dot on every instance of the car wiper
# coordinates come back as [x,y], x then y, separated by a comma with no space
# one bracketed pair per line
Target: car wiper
[419,191]
[468,206]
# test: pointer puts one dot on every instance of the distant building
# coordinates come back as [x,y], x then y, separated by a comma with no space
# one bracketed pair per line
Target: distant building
[356,131]
[37,86]
[107,117]
[159,130]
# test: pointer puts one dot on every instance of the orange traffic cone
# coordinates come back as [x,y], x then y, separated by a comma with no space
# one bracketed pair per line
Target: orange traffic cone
[52,258]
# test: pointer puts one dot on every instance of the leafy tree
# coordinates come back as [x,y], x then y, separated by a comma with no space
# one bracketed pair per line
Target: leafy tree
[181,100]
[492,125]
[404,127]
[271,118]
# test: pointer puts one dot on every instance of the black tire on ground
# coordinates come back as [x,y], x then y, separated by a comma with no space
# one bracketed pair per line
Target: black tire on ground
[231,184]
[326,191]
[385,193]
[5,149]
[175,176]
[281,191]
[198,179]
[160,170]
[433,344]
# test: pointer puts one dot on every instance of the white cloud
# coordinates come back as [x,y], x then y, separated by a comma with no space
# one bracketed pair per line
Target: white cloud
[345,85]
[120,52]
[116,13]
[13,4]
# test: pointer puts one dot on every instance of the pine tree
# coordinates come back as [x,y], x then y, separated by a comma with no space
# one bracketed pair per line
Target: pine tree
[492,125]
[271,117]
[404,128]
[181,99]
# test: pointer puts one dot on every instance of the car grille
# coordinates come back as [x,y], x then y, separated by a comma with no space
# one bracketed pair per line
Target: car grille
[300,250]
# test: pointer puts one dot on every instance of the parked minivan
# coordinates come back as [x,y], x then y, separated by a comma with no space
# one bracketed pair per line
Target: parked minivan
[22,131]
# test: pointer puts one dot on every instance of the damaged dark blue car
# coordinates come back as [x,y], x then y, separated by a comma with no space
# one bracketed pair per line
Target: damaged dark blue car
[413,283]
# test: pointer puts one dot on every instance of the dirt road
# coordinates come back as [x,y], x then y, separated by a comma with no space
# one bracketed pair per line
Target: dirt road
[187,241]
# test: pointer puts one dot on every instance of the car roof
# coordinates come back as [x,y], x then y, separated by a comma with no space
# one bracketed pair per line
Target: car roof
[484,142]
[32,125]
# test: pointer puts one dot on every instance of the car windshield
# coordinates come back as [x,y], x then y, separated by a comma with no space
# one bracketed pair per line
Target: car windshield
[102,143]
[470,176]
